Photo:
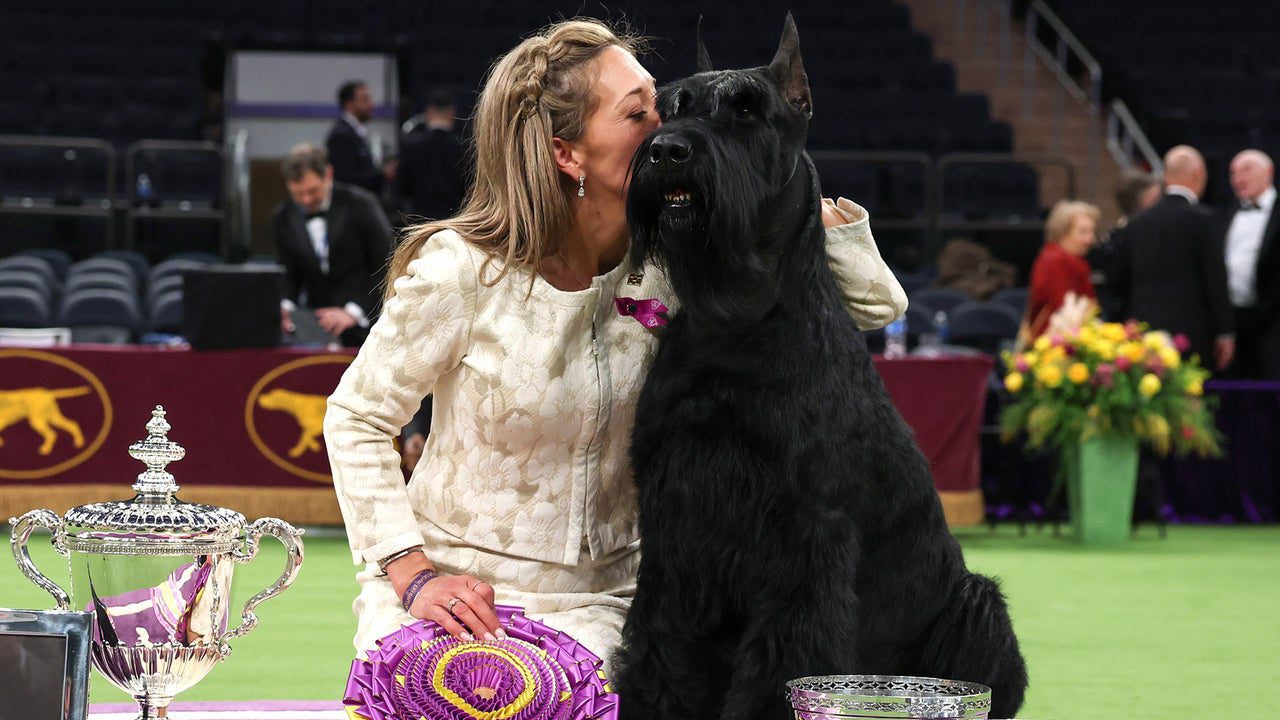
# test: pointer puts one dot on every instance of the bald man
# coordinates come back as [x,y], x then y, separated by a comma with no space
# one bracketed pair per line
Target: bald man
[1170,271]
[1250,227]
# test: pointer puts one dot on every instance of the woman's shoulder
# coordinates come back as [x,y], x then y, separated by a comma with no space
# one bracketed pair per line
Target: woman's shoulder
[445,260]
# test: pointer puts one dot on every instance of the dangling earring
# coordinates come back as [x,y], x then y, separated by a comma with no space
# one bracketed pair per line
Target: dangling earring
[582,190]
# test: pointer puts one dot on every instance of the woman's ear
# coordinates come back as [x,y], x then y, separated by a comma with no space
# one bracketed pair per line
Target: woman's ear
[566,159]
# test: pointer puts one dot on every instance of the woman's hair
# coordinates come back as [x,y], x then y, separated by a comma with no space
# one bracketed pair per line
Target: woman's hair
[1063,216]
[517,208]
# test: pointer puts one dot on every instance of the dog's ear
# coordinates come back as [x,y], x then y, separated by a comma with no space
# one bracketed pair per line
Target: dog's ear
[704,60]
[788,69]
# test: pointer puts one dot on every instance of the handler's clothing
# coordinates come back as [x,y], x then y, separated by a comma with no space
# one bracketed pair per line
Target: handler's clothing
[525,481]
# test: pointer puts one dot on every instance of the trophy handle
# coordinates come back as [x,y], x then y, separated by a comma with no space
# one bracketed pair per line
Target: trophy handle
[22,528]
[289,536]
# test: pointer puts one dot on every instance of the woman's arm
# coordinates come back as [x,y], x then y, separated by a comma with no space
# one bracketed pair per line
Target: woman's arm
[871,293]
[422,333]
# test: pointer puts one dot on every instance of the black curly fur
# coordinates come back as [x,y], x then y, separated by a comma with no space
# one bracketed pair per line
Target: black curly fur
[789,523]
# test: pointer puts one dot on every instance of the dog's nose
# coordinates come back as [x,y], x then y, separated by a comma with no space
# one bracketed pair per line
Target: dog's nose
[668,151]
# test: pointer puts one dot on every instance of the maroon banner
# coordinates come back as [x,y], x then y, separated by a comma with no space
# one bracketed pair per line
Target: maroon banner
[252,420]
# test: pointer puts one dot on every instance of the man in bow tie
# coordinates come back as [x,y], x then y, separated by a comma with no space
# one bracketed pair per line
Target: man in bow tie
[1250,228]
[333,241]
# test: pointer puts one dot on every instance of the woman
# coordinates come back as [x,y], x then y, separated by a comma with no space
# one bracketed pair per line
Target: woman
[524,493]
[1061,269]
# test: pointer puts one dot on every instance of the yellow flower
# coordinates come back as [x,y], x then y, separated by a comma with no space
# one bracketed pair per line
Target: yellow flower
[1156,340]
[1031,358]
[1095,412]
[1042,343]
[1049,376]
[1149,385]
[1055,354]
[1078,373]
[1104,349]
[1195,387]
[1134,351]
[1114,332]
[1088,335]
[1170,356]
[1013,382]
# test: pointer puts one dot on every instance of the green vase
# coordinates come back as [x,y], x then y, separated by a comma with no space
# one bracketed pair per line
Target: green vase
[1102,474]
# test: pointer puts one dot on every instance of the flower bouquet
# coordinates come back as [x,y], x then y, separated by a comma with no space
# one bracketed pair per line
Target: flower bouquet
[1092,392]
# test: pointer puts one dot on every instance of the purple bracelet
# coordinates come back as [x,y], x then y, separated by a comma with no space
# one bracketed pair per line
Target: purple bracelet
[415,586]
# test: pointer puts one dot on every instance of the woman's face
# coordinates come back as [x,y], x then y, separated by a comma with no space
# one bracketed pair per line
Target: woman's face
[623,116]
[1080,238]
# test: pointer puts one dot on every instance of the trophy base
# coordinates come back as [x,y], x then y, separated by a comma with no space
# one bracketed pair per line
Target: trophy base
[154,674]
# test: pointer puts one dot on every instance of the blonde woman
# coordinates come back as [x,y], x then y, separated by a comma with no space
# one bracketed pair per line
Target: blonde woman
[506,313]
[1060,275]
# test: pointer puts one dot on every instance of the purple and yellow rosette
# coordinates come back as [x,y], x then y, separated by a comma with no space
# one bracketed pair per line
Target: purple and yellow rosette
[537,673]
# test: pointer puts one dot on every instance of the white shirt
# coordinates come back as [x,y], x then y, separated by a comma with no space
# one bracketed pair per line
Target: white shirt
[534,401]
[1183,191]
[356,125]
[1244,242]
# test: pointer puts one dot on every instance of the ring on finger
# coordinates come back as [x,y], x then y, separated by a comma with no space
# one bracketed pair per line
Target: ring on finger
[478,584]
[452,602]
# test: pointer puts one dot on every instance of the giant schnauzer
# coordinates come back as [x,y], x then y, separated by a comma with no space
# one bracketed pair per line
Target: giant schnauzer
[789,523]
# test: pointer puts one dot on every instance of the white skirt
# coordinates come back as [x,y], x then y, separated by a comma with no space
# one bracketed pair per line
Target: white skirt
[587,601]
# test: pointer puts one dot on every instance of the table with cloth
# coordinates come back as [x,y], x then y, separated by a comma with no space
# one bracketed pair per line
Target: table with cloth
[251,422]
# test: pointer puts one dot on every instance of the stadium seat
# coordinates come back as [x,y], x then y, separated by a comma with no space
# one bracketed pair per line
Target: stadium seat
[59,261]
[100,281]
[100,265]
[1015,298]
[983,325]
[164,286]
[36,265]
[136,260]
[27,280]
[166,313]
[172,267]
[23,308]
[941,299]
[96,315]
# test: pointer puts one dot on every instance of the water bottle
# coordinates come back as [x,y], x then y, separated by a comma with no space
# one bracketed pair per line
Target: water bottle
[144,189]
[895,339]
[941,327]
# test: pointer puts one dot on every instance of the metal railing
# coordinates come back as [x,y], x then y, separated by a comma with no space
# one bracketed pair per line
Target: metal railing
[1066,48]
[73,198]
[1126,140]
[138,208]
[237,191]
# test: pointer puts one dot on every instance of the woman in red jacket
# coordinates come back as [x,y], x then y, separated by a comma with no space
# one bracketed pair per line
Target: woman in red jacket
[1061,268]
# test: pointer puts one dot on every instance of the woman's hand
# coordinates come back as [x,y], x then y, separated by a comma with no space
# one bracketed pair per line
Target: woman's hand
[831,215]
[474,607]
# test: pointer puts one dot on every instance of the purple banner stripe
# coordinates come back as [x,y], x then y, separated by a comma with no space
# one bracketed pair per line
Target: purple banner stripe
[300,110]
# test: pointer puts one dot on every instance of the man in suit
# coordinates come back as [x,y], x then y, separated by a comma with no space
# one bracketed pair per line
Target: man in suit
[348,141]
[333,241]
[1169,272]
[1249,230]
[429,179]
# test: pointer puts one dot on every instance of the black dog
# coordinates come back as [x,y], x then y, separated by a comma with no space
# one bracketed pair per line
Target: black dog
[789,523]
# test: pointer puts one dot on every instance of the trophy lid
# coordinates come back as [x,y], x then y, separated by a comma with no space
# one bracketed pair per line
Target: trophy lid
[155,521]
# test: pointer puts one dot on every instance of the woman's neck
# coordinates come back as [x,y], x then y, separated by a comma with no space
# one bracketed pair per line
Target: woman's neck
[597,242]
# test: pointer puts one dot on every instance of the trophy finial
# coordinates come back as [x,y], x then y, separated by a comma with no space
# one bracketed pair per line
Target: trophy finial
[156,452]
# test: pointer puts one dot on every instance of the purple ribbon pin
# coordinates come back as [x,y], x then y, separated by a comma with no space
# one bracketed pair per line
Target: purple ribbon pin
[649,312]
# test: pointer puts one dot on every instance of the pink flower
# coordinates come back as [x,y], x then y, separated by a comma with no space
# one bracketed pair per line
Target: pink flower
[1188,432]
[1132,328]
[1181,342]
[1022,365]
[1123,363]
[1105,375]
[1156,367]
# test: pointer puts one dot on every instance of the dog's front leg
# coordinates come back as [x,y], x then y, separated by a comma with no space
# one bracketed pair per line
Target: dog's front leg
[812,632]
[661,672]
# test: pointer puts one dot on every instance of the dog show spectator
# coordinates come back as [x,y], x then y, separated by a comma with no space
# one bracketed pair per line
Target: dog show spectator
[1253,265]
[348,141]
[1061,269]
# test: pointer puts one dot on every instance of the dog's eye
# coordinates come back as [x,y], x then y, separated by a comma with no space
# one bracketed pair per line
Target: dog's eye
[743,111]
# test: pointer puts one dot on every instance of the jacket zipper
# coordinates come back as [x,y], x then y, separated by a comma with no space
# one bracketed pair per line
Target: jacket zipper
[595,435]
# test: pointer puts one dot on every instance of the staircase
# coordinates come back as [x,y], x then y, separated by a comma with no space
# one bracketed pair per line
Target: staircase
[967,33]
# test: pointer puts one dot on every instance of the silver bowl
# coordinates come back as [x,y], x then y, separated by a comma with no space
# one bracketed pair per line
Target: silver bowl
[836,697]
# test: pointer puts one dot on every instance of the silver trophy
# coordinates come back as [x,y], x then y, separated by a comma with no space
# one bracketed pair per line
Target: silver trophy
[156,573]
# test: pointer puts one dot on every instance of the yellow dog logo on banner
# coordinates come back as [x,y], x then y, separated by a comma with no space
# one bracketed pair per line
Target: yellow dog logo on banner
[39,407]
[307,410]
[284,414]
[55,420]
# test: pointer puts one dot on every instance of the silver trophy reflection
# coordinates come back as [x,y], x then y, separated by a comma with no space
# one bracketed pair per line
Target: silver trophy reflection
[156,573]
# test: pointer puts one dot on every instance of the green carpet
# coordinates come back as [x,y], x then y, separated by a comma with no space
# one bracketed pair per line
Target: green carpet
[1185,627]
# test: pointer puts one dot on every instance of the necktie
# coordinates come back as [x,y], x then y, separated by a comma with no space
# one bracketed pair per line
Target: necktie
[1249,205]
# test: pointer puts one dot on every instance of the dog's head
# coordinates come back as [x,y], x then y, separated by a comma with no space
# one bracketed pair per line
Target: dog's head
[724,176]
